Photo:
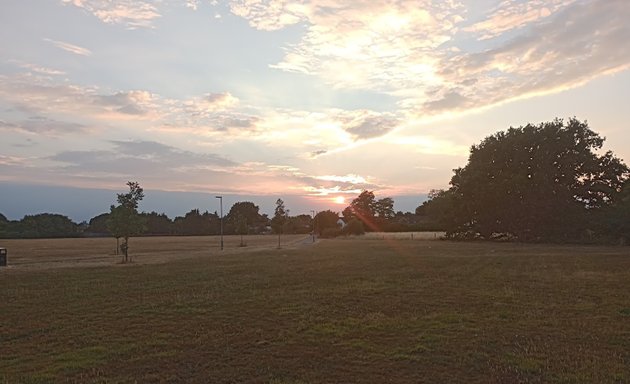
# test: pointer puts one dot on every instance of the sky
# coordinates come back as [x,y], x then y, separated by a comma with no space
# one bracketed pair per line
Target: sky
[311,101]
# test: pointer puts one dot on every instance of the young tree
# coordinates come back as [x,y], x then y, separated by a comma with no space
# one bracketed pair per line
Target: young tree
[279,219]
[124,220]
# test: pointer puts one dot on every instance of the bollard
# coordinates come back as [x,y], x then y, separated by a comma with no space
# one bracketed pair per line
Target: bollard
[3,257]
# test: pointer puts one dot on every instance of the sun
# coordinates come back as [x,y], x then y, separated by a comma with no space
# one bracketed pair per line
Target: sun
[339,200]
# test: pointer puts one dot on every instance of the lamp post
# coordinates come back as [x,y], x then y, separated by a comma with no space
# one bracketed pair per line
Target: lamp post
[221,202]
[313,232]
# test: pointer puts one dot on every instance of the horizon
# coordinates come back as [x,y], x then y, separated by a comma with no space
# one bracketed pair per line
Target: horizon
[310,101]
[29,200]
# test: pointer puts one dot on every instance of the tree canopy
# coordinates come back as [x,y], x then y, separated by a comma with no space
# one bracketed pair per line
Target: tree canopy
[244,217]
[537,182]
[325,219]
[124,220]
[374,214]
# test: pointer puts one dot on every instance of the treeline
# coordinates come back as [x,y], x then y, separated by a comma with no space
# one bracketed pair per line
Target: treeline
[243,218]
[44,225]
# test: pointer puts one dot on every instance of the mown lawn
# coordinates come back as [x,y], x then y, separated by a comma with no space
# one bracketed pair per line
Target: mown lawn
[342,311]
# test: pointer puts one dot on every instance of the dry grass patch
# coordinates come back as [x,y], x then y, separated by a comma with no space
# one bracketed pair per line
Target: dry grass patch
[342,311]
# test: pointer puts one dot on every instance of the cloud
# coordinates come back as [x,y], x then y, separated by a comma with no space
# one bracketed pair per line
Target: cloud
[128,103]
[212,112]
[512,14]
[368,44]
[70,47]
[138,158]
[451,100]
[44,125]
[269,15]
[367,124]
[317,153]
[130,13]
[437,60]
[580,43]
[37,95]
[354,179]
[194,4]
[12,160]
[211,102]
[38,68]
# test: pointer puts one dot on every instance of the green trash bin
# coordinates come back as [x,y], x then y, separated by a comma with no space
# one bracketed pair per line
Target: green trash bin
[3,257]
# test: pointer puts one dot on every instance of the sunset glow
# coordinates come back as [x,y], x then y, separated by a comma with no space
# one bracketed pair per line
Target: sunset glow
[307,100]
[339,200]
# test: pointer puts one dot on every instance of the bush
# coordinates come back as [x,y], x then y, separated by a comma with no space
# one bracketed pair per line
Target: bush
[354,227]
[329,233]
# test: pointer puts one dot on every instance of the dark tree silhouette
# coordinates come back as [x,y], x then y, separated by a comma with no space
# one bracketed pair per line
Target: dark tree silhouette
[248,211]
[535,183]
[374,214]
[325,219]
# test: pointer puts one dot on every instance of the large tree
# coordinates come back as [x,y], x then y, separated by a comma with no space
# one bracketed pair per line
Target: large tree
[249,212]
[325,219]
[124,220]
[374,214]
[537,182]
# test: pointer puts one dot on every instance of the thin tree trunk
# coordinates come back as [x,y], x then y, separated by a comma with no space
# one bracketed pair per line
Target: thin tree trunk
[126,249]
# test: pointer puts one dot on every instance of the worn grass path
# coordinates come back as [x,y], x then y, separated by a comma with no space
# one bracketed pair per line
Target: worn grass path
[368,311]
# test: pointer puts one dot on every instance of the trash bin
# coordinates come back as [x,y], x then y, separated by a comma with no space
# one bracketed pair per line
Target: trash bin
[3,257]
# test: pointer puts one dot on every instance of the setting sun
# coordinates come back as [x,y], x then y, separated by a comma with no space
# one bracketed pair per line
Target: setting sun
[339,200]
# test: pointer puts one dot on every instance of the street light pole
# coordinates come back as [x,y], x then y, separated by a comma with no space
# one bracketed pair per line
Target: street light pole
[221,202]
[313,232]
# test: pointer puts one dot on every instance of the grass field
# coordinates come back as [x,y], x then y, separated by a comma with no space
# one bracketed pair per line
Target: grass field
[339,311]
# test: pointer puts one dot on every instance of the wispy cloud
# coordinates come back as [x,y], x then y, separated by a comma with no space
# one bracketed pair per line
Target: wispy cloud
[37,68]
[130,13]
[514,14]
[43,125]
[580,43]
[421,51]
[77,50]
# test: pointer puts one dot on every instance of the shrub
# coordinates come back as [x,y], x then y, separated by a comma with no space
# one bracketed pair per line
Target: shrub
[354,227]
[329,233]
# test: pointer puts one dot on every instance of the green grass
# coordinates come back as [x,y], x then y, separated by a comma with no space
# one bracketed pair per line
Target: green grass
[365,311]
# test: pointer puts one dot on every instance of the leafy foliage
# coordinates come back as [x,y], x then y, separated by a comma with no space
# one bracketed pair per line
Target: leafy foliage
[535,183]
[244,217]
[325,219]
[354,227]
[374,214]
[279,219]
[43,225]
[98,224]
[124,221]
